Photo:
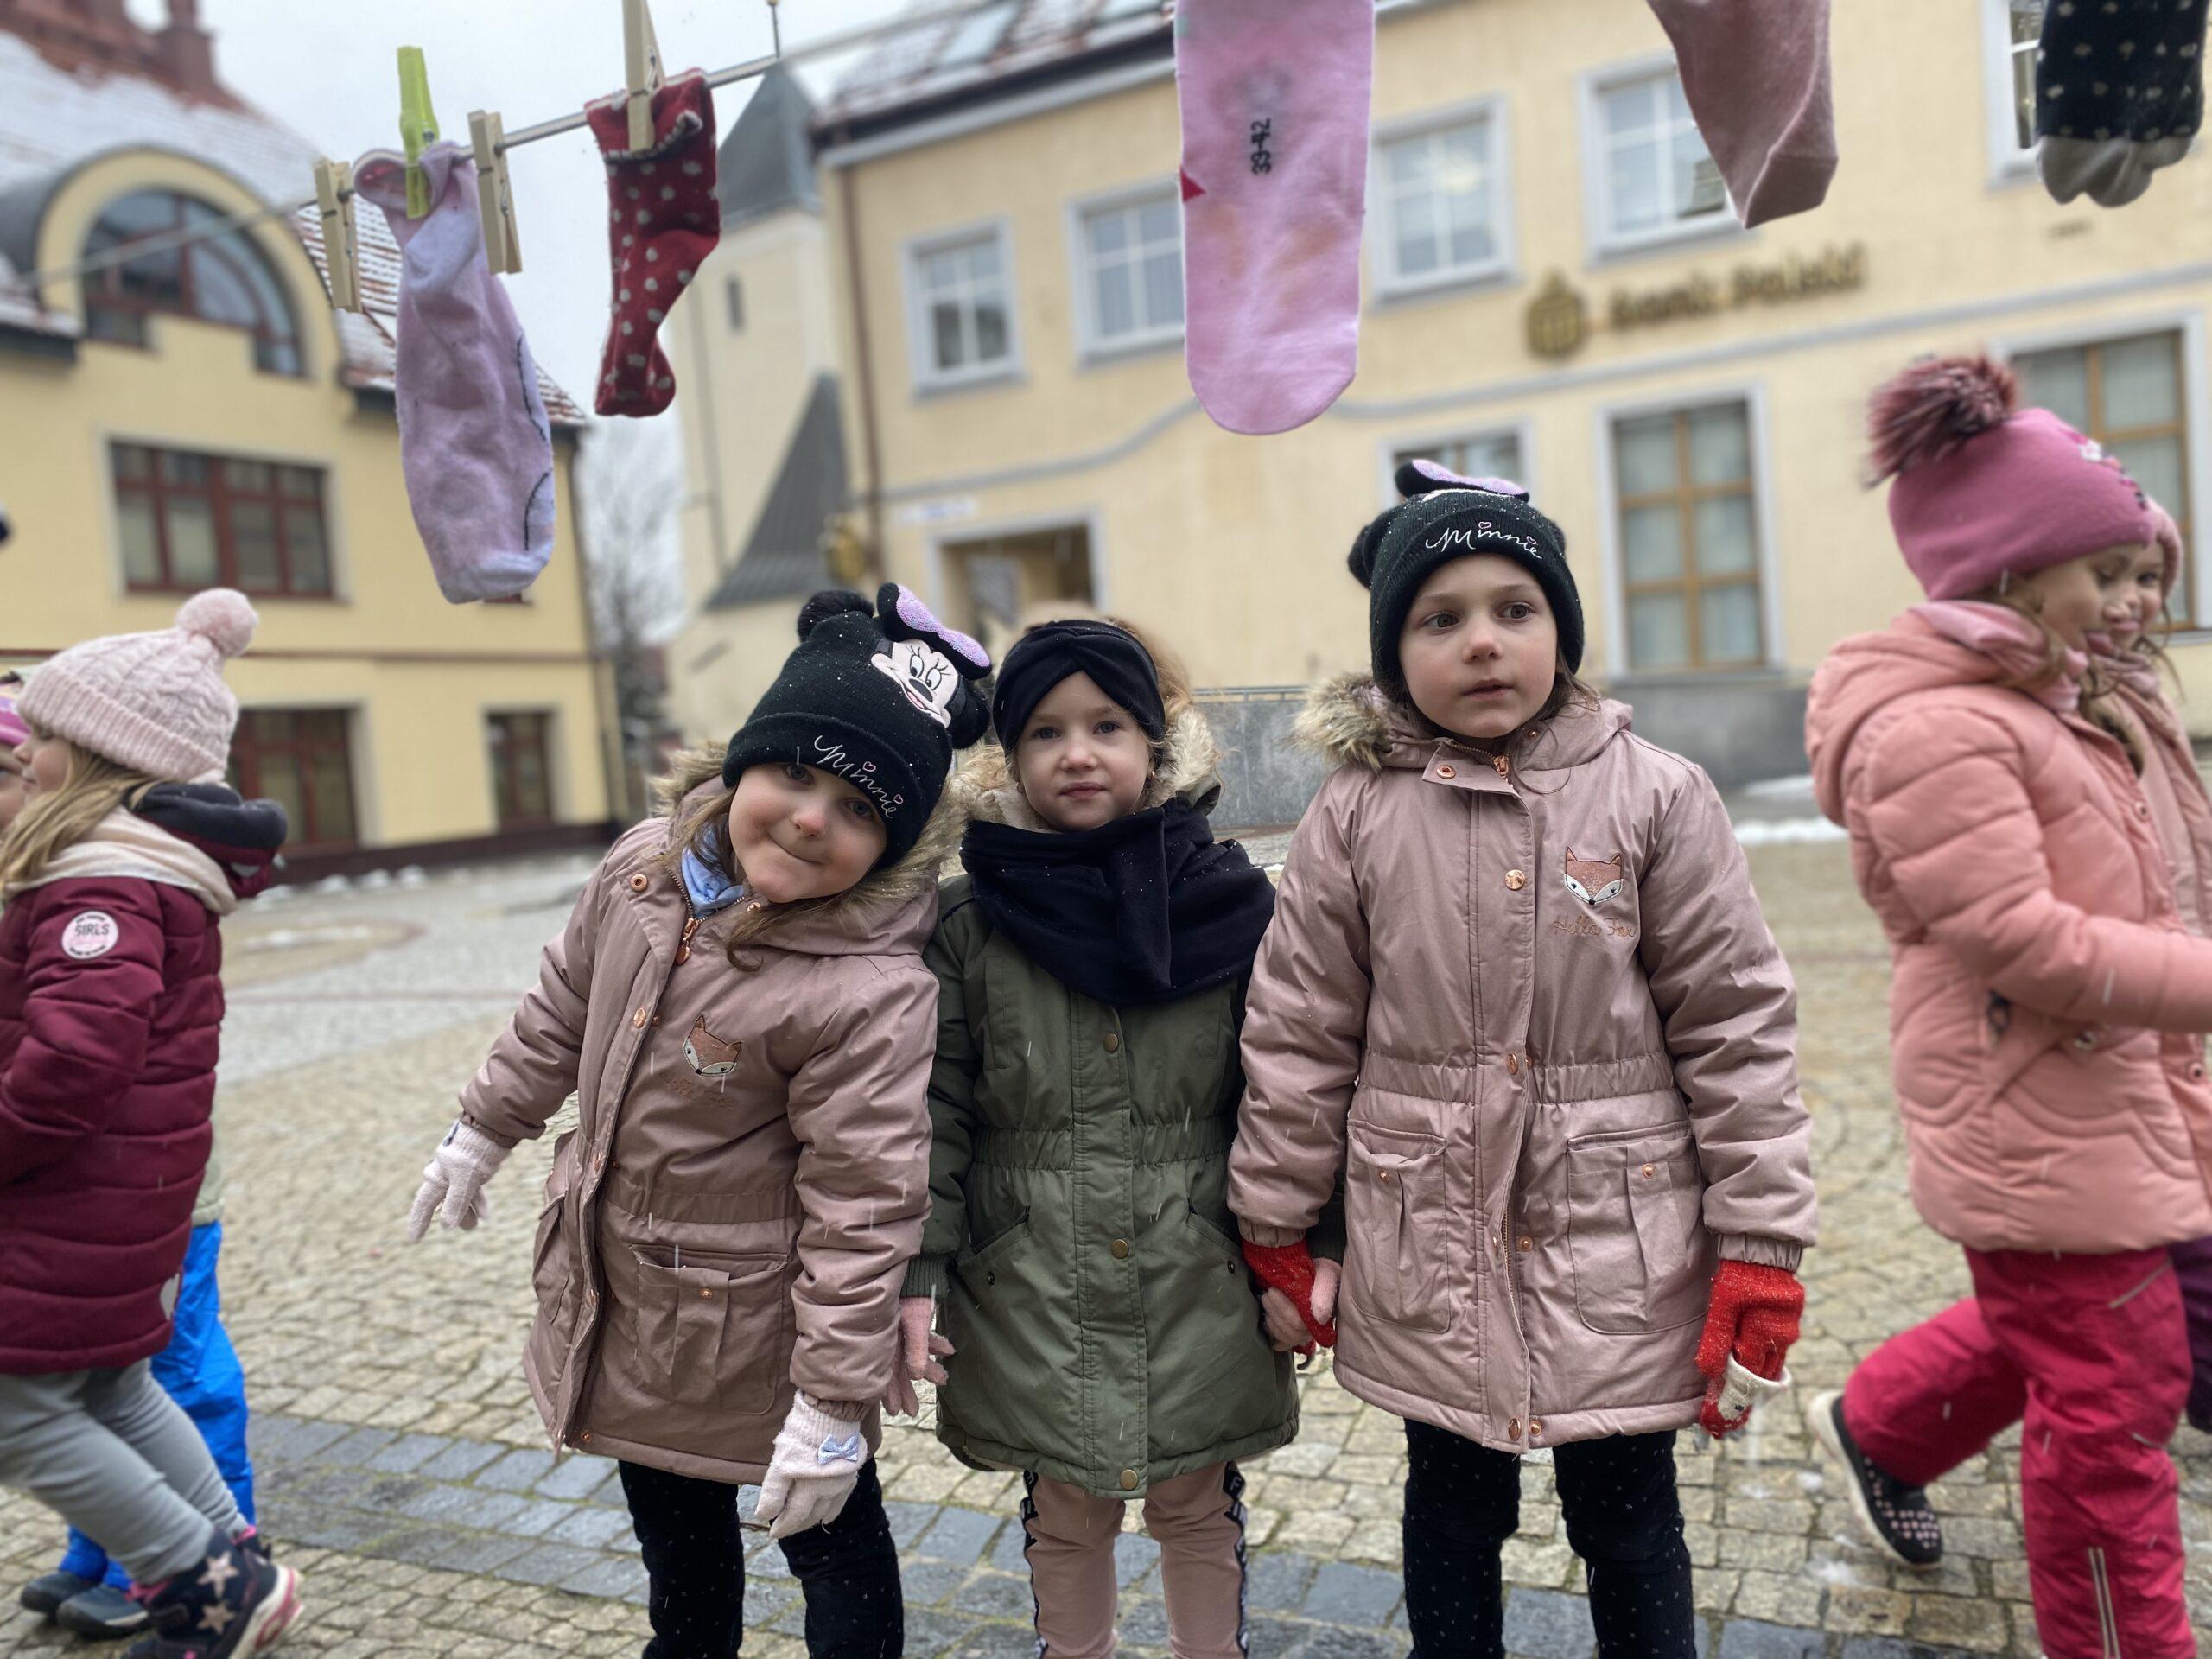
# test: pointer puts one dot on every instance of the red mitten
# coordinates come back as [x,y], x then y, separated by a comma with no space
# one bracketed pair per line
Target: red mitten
[1289,1268]
[1754,1318]
[664,220]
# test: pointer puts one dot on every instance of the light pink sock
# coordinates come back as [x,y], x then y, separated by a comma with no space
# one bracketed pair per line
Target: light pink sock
[1274,99]
[1755,75]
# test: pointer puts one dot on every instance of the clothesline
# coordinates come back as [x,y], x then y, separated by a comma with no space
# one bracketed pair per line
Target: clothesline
[34,282]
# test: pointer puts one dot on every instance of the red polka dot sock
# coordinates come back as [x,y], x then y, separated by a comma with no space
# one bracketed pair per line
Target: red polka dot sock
[663,220]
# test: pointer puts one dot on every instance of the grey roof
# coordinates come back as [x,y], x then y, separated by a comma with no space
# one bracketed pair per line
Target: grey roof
[766,164]
[783,556]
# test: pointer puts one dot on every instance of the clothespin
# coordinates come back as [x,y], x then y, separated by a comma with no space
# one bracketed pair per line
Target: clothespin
[495,191]
[333,195]
[418,126]
[641,69]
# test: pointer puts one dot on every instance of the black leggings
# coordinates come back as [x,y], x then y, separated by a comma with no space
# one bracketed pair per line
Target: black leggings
[1624,1519]
[694,1556]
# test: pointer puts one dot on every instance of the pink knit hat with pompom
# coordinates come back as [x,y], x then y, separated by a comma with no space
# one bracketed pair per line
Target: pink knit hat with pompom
[155,703]
[1986,489]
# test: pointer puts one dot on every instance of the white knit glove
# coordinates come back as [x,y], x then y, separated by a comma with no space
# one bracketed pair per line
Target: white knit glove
[815,1466]
[453,1183]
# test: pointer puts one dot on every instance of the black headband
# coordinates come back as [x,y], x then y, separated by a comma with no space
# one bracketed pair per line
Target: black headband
[1041,659]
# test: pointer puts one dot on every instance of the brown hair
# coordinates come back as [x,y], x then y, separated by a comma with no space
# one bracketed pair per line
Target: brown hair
[1177,698]
[2097,705]
[94,787]
[703,829]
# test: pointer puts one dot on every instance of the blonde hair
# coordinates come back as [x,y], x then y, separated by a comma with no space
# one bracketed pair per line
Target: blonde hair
[52,823]
[2097,704]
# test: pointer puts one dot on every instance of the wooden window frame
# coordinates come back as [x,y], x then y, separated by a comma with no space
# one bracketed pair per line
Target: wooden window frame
[1685,498]
[104,294]
[500,757]
[221,496]
[247,752]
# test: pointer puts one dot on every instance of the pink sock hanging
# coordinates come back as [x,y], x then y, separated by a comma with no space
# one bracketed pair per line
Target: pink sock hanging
[1274,99]
[663,220]
[1755,75]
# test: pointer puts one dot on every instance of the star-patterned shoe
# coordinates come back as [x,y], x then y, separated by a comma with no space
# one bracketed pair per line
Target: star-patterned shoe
[1895,1516]
[236,1602]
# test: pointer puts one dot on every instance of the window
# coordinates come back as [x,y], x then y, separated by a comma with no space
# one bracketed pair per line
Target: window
[735,290]
[301,759]
[1690,542]
[1442,194]
[963,310]
[225,279]
[1492,454]
[2012,40]
[189,522]
[2129,395]
[1132,272]
[1654,180]
[521,776]
[999,585]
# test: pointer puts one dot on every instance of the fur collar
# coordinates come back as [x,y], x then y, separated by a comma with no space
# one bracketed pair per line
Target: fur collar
[985,788]
[1352,721]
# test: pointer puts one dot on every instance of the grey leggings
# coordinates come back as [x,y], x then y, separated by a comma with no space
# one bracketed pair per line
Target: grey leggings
[120,1461]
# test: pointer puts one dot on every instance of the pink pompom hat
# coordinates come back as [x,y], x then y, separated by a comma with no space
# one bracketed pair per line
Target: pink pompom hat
[12,729]
[1985,489]
[155,701]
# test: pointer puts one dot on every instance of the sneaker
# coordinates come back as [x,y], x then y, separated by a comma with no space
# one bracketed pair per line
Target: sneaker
[102,1612]
[1895,1516]
[44,1596]
[238,1601]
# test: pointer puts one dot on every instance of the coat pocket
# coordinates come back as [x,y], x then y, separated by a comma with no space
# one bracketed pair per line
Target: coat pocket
[1393,1212]
[979,1266]
[1636,1231]
[552,1258]
[718,1328]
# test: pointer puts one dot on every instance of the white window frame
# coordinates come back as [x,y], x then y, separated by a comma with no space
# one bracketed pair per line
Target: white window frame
[1607,242]
[927,377]
[1501,267]
[2196,409]
[1753,395]
[1522,431]
[2008,163]
[1091,346]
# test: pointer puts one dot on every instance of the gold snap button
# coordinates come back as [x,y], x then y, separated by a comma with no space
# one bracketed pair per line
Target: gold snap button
[1647,1172]
[639,1019]
[1513,1429]
[1528,1243]
[1120,1249]
[1515,880]
[1128,1480]
[638,884]
[1448,771]
[1535,1427]
[1112,1042]
[703,1291]
[1381,1174]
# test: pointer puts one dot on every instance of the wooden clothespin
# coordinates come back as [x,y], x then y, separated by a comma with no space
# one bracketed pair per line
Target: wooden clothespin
[641,69]
[333,195]
[495,191]
[418,126]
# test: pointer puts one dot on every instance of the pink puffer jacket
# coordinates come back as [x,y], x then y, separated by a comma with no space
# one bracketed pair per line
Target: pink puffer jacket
[2042,977]
[2180,811]
[1535,1023]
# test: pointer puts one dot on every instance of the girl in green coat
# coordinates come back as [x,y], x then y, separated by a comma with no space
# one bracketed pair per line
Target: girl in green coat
[1099,1324]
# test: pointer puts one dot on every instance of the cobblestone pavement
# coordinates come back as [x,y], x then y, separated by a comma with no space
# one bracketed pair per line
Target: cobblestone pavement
[404,1471]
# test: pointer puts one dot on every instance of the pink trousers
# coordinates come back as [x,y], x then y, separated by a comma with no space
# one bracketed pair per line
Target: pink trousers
[1198,1520]
[2090,1355]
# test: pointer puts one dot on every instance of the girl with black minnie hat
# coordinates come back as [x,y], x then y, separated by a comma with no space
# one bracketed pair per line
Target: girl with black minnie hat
[1100,1334]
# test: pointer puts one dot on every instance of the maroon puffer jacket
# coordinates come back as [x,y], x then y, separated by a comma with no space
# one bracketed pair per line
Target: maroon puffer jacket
[111,1009]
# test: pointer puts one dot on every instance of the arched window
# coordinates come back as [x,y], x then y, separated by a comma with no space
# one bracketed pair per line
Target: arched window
[225,279]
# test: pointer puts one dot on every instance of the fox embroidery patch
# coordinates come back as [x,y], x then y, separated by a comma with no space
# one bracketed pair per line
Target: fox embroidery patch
[710,1055]
[1594,882]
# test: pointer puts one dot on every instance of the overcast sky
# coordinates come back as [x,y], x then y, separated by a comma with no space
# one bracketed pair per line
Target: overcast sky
[329,70]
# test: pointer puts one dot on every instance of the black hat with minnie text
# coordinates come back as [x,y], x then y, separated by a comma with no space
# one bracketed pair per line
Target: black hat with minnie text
[1446,516]
[878,695]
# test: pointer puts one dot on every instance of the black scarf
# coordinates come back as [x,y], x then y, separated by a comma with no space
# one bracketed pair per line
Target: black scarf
[1149,908]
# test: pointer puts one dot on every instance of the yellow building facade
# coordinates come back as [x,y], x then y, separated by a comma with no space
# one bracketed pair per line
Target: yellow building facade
[203,417]
[1554,288]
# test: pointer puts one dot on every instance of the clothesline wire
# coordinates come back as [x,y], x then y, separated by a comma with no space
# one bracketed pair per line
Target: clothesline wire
[34,282]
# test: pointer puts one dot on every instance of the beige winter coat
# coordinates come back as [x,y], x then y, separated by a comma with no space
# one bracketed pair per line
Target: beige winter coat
[1533,1016]
[732,1216]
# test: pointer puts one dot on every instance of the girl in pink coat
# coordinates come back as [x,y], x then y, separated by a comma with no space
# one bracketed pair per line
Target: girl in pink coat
[1518,1004]
[2056,1116]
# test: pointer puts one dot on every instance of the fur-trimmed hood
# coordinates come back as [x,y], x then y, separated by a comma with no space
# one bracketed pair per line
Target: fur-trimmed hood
[1353,721]
[983,788]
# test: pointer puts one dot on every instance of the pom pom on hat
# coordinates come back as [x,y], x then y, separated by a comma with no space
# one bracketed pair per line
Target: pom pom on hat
[222,617]
[830,601]
[1928,412]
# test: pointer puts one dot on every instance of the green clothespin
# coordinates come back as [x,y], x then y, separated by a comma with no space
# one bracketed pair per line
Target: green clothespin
[418,126]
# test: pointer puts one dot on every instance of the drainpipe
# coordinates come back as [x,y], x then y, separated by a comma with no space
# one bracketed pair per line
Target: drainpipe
[709,439]
[864,372]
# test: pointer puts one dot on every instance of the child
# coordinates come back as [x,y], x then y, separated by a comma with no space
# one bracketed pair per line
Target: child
[114,880]
[1520,999]
[2053,1110]
[1091,972]
[740,1005]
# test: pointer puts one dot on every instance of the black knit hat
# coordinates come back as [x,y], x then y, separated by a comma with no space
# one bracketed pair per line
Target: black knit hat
[1446,516]
[879,695]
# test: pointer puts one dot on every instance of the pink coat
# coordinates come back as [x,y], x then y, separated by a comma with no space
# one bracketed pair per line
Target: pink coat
[2180,810]
[1535,1024]
[2042,976]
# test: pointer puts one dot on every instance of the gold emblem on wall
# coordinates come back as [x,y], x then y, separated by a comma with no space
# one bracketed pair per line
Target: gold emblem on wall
[1558,320]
